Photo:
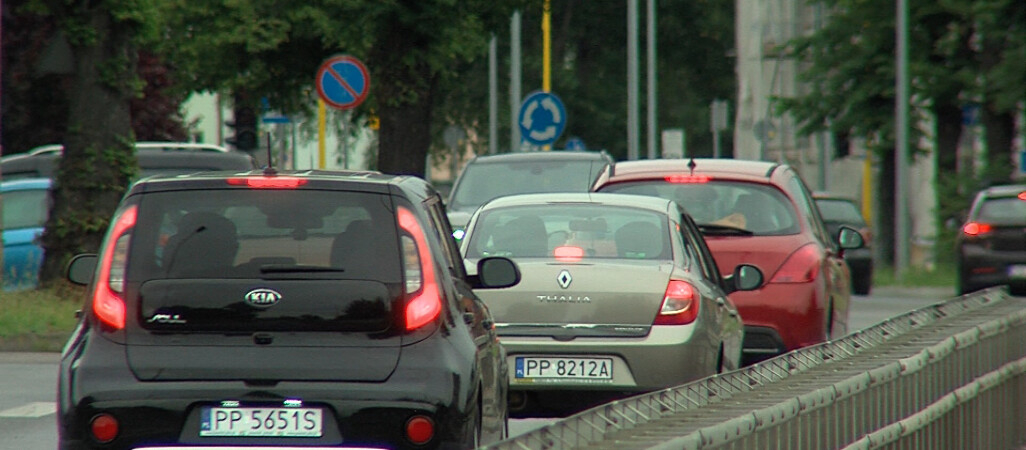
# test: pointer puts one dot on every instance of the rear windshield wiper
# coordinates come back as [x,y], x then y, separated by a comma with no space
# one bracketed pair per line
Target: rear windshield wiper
[298,268]
[708,228]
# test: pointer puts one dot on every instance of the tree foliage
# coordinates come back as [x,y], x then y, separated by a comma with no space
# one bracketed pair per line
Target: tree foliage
[962,53]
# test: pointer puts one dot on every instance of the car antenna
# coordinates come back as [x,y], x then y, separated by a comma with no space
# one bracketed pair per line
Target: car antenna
[692,165]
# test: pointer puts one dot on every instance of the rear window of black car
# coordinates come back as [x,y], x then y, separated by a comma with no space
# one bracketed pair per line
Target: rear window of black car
[1003,210]
[293,234]
[841,211]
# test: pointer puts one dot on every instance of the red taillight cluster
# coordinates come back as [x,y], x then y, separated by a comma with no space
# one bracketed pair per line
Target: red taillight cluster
[108,300]
[974,229]
[424,302]
[268,182]
[801,267]
[420,429]
[680,304]
[104,428]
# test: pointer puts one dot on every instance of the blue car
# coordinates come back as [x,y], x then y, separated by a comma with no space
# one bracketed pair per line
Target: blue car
[26,204]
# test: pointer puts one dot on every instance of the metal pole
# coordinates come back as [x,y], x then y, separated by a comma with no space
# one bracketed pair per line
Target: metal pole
[493,96]
[653,144]
[632,80]
[514,81]
[546,27]
[901,254]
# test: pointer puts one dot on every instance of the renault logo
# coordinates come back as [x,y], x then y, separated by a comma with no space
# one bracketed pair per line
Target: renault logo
[262,298]
[564,279]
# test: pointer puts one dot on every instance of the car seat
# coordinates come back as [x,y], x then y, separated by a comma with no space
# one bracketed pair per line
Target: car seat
[204,246]
[758,212]
[355,250]
[523,236]
[641,240]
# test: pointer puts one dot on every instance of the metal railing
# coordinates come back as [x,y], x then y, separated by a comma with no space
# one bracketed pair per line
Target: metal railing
[950,375]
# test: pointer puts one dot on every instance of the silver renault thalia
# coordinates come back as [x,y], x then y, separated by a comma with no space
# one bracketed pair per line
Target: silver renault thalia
[619,295]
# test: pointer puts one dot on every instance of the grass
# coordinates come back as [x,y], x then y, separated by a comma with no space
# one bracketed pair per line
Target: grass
[941,275]
[38,320]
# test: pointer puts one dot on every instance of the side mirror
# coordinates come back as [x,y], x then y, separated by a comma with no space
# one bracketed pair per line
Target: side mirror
[81,268]
[747,277]
[848,238]
[495,273]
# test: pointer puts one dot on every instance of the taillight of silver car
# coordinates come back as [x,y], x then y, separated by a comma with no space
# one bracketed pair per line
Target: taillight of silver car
[108,294]
[680,304]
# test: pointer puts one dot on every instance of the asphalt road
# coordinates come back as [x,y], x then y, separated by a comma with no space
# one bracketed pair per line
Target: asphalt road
[28,380]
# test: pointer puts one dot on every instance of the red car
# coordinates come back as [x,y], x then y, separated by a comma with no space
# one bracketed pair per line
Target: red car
[760,213]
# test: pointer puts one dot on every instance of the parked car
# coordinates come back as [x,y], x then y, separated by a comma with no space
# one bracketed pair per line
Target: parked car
[487,177]
[991,248]
[153,157]
[620,295]
[760,213]
[26,203]
[300,308]
[24,255]
[838,210]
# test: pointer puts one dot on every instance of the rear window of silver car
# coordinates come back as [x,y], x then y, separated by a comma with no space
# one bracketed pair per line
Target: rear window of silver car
[598,231]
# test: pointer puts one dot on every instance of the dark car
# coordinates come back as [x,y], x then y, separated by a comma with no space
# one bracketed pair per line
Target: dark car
[153,157]
[488,177]
[759,213]
[991,248]
[838,210]
[289,309]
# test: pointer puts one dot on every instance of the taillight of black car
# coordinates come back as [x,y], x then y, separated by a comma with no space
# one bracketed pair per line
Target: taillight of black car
[108,292]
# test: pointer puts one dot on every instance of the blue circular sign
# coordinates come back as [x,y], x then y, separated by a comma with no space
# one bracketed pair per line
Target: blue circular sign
[542,118]
[343,82]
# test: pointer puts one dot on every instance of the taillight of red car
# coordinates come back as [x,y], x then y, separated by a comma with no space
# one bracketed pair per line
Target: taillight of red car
[108,295]
[801,267]
[424,300]
[680,304]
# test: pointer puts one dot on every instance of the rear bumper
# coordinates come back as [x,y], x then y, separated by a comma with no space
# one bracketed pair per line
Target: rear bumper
[982,268]
[94,379]
[794,312]
[668,356]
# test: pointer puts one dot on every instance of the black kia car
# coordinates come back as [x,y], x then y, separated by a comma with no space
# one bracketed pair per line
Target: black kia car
[294,309]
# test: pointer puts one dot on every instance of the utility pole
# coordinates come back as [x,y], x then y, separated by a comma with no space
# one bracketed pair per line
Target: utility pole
[633,141]
[901,219]
[652,122]
[493,96]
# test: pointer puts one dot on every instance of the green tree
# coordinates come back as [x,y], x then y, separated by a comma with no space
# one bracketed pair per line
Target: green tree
[411,48]
[99,158]
[851,71]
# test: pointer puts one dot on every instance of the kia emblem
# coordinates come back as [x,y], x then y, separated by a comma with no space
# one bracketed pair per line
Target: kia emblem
[263,298]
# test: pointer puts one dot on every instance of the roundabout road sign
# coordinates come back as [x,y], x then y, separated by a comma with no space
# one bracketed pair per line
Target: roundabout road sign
[542,118]
[343,82]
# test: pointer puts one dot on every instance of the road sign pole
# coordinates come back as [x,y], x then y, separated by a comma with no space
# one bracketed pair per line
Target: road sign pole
[493,96]
[515,96]
[632,80]
[653,144]
[901,237]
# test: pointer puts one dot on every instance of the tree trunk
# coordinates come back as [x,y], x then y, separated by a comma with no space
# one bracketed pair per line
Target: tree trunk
[999,129]
[885,235]
[98,159]
[404,87]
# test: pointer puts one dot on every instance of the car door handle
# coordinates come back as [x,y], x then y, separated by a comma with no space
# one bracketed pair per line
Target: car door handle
[468,318]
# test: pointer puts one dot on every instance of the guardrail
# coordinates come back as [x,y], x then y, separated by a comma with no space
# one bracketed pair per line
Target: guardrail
[951,375]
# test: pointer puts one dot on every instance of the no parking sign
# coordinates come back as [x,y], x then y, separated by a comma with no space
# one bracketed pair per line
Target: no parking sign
[343,82]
